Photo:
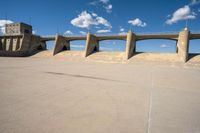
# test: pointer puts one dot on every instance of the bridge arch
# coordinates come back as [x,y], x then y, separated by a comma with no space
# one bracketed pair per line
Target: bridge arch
[112,45]
[156,45]
[77,45]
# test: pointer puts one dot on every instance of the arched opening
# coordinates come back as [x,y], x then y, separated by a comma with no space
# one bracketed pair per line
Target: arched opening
[65,48]
[50,45]
[112,45]
[156,46]
[77,45]
[39,48]
[194,48]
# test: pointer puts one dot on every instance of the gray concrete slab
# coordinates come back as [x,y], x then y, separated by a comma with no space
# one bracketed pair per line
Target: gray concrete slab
[58,95]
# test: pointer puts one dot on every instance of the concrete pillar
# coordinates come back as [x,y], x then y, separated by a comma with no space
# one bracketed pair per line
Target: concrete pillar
[61,44]
[183,44]
[15,44]
[130,45]
[92,44]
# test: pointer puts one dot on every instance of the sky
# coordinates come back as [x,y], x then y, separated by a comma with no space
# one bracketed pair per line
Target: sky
[102,17]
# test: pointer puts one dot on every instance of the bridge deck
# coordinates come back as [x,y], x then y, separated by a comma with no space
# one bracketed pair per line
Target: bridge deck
[123,37]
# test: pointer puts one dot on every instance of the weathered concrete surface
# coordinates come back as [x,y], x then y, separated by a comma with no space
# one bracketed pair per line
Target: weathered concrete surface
[183,44]
[130,45]
[61,44]
[54,94]
[92,45]
[20,45]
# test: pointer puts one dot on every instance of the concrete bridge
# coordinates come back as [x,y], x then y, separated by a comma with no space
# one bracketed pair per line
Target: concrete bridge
[92,42]
[24,45]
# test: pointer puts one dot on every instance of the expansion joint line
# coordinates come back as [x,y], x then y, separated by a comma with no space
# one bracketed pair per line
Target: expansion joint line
[150,102]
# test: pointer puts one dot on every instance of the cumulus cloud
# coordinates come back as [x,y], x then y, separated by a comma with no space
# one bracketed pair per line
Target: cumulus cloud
[164,46]
[86,20]
[106,4]
[104,31]
[183,13]
[2,25]
[68,32]
[121,29]
[83,32]
[137,22]
[198,10]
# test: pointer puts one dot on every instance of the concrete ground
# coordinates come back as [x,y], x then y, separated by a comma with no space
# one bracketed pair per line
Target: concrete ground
[44,94]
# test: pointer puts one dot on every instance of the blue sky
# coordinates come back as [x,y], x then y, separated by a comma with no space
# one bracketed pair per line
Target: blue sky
[77,17]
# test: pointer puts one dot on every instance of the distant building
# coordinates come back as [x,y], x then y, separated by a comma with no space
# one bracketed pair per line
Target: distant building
[17,29]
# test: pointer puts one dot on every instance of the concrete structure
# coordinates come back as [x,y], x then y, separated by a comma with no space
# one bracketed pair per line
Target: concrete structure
[130,45]
[22,43]
[18,29]
[92,44]
[19,41]
[183,44]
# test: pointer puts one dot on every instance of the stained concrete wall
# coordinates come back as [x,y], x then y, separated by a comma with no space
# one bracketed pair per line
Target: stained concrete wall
[92,44]
[61,44]
[183,45]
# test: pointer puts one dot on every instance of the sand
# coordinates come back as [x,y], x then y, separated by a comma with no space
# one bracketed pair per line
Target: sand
[150,93]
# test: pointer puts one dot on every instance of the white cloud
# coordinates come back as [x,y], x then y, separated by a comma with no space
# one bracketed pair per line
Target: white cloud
[121,29]
[83,32]
[194,2]
[105,1]
[86,20]
[104,31]
[34,32]
[108,8]
[183,13]
[77,46]
[94,15]
[103,21]
[198,10]
[137,22]
[68,32]
[164,46]
[106,4]
[2,25]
